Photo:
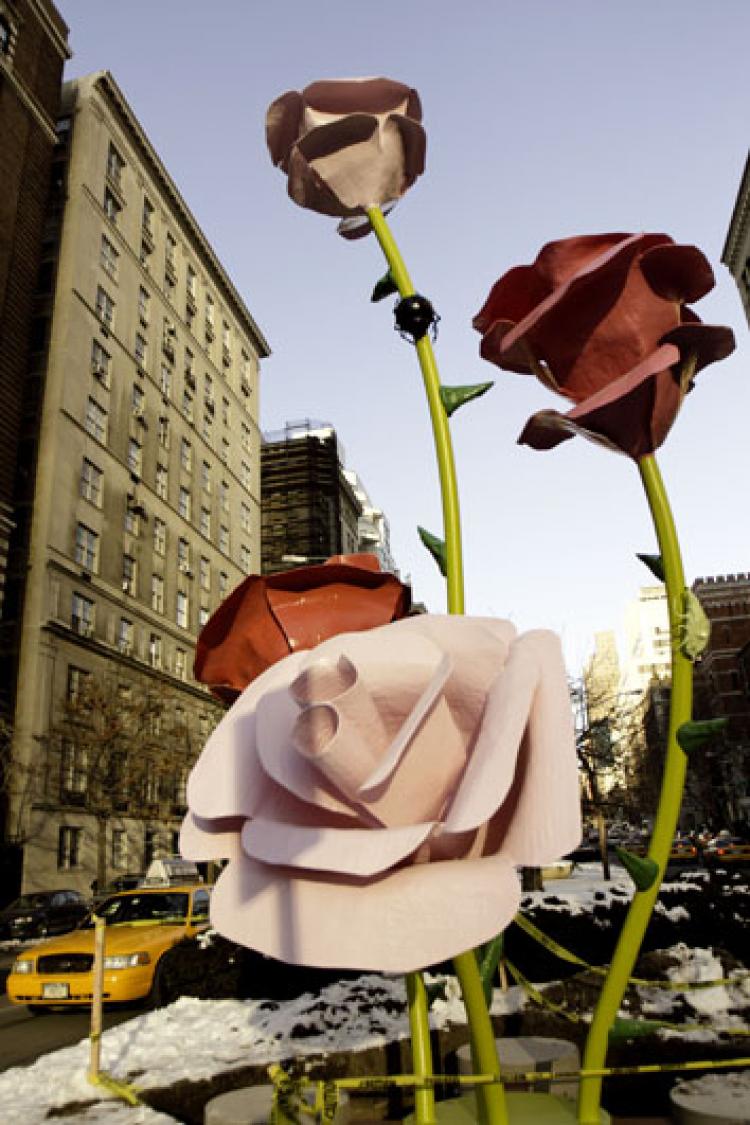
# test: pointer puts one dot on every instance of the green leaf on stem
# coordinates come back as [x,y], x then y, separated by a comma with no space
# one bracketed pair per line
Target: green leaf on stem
[490,958]
[697,732]
[641,869]
[695,628]
[384,287]
[453,397]
[436,547]
[654,564]
[634,1029]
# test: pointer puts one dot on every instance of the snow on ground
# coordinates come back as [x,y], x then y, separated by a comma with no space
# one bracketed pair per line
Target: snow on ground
[198,1038]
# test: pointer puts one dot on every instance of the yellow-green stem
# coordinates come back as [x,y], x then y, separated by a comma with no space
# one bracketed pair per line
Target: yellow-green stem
[438,417]
[419,1026]
[668,808]
[491,1099]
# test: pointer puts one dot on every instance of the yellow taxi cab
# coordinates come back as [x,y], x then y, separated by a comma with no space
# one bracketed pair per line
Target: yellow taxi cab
[141,925]
[683,850]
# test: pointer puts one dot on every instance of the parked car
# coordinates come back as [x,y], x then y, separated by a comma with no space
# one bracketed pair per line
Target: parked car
[42,912]
[683,850]
[141,926]
[725,850]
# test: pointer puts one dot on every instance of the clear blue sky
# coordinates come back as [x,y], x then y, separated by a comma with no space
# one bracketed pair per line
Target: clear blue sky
[545,118]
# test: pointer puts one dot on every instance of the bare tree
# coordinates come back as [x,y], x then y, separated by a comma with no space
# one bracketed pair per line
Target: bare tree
[122,748]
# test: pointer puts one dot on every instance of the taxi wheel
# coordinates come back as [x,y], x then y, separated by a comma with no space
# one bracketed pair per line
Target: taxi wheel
[37,1009]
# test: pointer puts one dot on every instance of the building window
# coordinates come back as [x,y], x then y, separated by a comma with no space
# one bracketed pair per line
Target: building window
[223,583]
[225,450]
[187,404]
[183,555]
[245,558]
[91,482]
[203,616]
[140,349]
[245,475]
[144,300]
[155,650]
[245,384]
[132,523]
[119,856]
[183,503]
[191,283]
[224,496]
[163,431]
[150,844]
[205,573]
[205,522]
[180,663]
[125,636]
[160,536]
[206,476]
[129,575]
[6,36]
[225,411]
[105,307]
[189,368]
[100,363]
[87,547]
[157,593]
[69,842]
[224,539]
[183,608]
[209,318]
[82,615]
[206,428]
[226,356]
[115,165]
[96,421]
[161,481]
[186,455]
[137,400]
[147,217]
[245,437]
[108,256]
[73,772]
[76,681]
[135,453]
[112,206]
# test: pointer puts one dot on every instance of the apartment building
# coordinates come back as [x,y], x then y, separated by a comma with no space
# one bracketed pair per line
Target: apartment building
[33,49]
[139,479]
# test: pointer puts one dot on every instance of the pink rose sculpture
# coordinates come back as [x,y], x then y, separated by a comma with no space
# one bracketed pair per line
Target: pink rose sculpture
[604,321]
[348,144]
[375,795]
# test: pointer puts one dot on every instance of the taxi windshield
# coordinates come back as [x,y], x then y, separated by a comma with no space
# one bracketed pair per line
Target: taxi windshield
[166,906]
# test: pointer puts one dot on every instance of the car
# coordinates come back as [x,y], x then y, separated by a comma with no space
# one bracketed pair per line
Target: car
[39,913]
[683,850]
[726,850]
[141,925]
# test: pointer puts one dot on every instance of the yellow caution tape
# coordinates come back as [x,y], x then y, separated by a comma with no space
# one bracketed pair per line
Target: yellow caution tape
[380,1083]
[565,955]
[124,1090]
[289,1103]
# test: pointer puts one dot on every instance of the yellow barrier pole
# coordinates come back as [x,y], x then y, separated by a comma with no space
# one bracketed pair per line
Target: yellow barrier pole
[95,1034]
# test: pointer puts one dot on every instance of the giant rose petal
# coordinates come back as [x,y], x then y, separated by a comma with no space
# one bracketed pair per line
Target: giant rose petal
[374,795]
[266,618]
[603,320]
[347,144]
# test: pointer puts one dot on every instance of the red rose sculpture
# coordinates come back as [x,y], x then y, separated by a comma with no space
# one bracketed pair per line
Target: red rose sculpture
[348,144]
[266,618]
[603,320]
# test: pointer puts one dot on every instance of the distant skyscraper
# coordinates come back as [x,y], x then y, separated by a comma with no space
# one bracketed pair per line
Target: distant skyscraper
[647,653]
[313,506]
[736,252]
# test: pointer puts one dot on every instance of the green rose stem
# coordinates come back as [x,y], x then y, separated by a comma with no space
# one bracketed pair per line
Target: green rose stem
[491,1099]
[668,809]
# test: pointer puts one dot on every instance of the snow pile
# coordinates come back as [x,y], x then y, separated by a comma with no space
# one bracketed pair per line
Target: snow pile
[725,1096]
[199,1038]
[721,1008]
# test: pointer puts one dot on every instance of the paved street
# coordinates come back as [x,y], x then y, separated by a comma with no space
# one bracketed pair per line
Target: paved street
[23,1037]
